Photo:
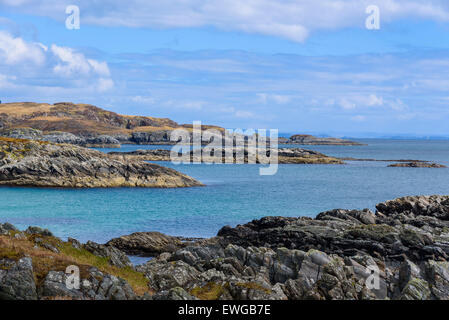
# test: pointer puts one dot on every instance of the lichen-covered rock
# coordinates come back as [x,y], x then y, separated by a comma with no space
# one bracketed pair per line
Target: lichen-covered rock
[39,231]
[6,228]
[97,286]
[17,280]
[115,256]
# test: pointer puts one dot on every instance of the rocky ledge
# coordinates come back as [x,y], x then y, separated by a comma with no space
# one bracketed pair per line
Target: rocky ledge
[285,156]
[305,139]
[414,164]
[398,252]
[43,164]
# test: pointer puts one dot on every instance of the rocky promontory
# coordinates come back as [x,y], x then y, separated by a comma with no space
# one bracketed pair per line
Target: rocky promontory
[306,139]
[44,164]
[415,164]
[219,155]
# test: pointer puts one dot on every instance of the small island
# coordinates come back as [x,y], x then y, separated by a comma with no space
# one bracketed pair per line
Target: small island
[416,164]
[285,156]
[306,139]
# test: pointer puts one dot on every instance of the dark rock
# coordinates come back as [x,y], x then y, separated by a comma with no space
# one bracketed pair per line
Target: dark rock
[147,243]
[421,164]
[39,231]
[6,228]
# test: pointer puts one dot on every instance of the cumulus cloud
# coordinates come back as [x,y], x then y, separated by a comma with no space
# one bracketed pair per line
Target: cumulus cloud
[74,63]
[22,60]
[14,50]
[290,19]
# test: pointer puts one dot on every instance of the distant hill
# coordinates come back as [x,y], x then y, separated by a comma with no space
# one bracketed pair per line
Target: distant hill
[78,119]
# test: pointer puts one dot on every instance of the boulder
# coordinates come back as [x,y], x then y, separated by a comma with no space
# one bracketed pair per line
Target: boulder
[147,244]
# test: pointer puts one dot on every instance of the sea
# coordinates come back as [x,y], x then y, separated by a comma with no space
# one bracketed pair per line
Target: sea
[233,193]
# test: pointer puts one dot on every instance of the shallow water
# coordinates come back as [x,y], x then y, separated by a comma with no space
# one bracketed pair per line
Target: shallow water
[233,194]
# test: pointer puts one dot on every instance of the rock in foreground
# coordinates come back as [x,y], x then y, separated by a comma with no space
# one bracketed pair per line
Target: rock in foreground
[404,245]
[42,164]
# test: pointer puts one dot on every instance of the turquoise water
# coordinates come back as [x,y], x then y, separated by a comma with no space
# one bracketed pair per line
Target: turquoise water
[233,194]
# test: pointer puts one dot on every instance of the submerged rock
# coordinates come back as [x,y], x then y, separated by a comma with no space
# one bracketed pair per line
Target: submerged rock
[42,164]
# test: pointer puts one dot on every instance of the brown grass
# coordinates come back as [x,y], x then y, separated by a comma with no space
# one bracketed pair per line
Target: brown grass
[45,260]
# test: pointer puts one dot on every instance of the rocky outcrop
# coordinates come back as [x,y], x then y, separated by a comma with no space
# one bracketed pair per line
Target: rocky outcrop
[36,163]
[115,256]
[17,279]
[421,164]
[332,256]
[399,252]
[305,139]
[98,141]
[33,266]
[285,156]
[94,286]
[147,244]
[415,227]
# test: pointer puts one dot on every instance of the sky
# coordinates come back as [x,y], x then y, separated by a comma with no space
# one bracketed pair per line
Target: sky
[299,66]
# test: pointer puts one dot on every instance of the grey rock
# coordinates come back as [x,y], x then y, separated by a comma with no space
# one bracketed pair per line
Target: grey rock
[39,231]
[115,256]
[17,280]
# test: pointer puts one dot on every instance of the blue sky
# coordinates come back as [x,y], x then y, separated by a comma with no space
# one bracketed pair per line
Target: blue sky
[296,65]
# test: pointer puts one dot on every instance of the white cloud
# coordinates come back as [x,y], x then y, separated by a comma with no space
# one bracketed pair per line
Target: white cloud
[358,101]
[374,100]
[23,61]
[273,98]
[72,63]
[290,19]
[104,84]
[15,51]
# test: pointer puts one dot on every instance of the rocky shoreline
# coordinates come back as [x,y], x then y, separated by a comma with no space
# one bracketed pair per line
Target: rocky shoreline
[415,164]
[44,164]
[334,256]
[285,156]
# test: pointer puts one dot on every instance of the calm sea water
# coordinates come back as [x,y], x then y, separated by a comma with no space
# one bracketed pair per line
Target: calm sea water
[233,194]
